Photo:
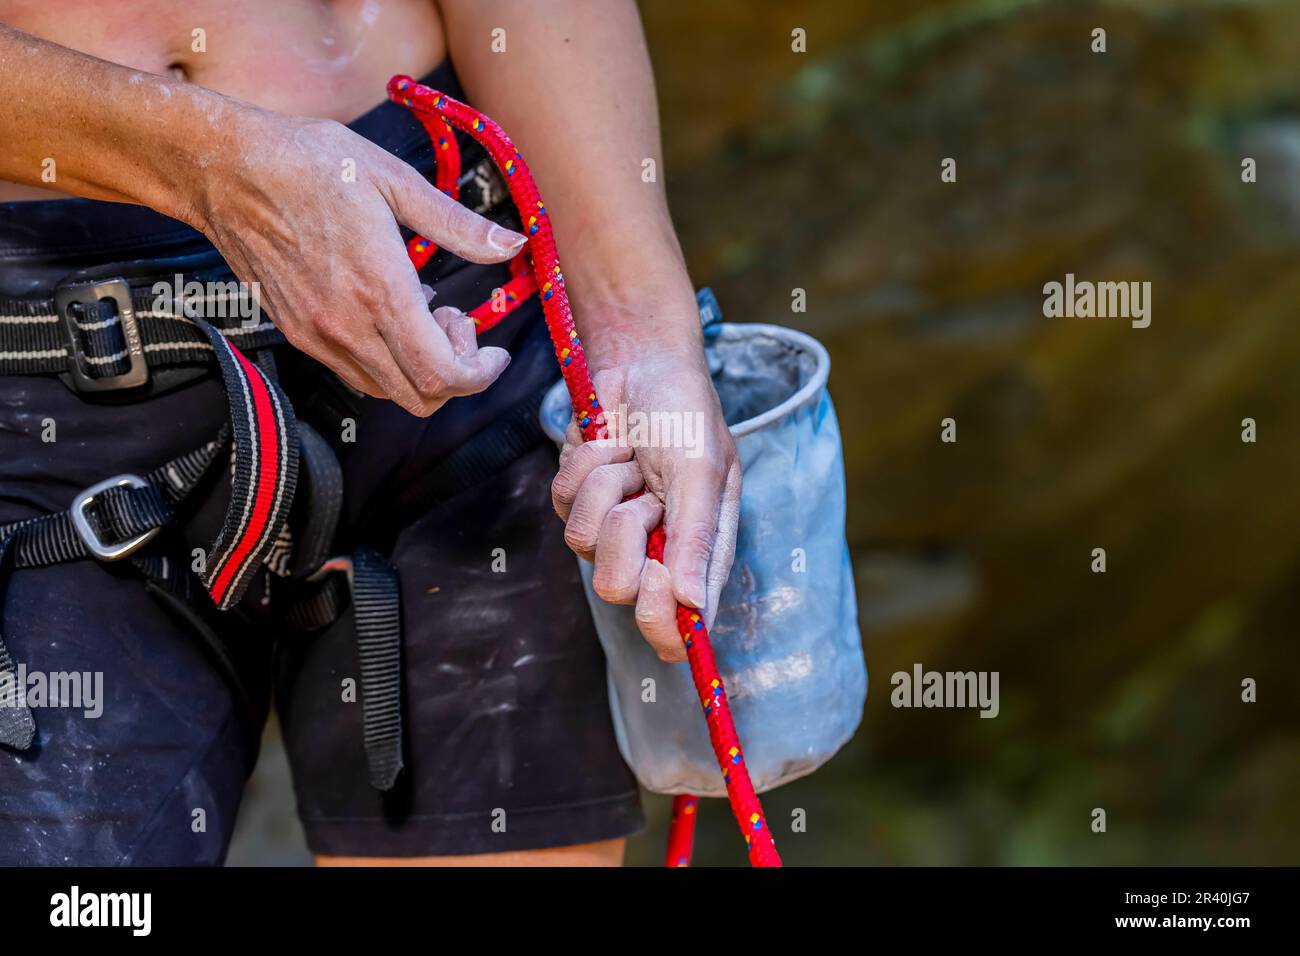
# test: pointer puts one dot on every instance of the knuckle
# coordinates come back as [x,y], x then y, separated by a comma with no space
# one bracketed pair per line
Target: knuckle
[572,469]
[650,616]
[585,455]
[646,616]
[697,540]
[579,534]
[604,452]
[443,211]
[610,590]
[605,480]
[620,593]
[433,386]
[613,588]
[620,521]
[628,522]
[669,654]
[563,486]
[463,220]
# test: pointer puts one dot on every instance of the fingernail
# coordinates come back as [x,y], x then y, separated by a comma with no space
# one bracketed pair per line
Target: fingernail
[505,239]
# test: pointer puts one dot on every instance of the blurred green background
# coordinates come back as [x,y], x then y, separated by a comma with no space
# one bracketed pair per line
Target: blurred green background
[820,171]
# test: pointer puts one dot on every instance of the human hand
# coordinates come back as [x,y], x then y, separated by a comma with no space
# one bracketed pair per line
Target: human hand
[690,472]
[309,210]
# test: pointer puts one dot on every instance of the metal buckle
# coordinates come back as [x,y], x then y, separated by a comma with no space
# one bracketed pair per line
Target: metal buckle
[102,551]
[89,293]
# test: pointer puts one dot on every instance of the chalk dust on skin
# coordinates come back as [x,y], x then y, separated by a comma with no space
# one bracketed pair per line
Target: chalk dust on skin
[336,60]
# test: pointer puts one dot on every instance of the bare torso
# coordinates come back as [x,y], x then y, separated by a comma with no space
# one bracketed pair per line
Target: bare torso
[322,58]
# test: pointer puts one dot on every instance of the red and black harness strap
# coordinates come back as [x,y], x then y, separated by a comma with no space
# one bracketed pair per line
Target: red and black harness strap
[265,472]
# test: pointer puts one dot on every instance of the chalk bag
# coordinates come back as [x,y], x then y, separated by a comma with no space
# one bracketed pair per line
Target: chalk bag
[786,631]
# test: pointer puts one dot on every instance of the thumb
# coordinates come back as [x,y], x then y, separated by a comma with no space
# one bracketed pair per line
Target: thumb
[435,215]
[475,372]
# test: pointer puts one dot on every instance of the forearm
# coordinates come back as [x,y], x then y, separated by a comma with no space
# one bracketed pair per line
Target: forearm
[111,132]
[575,91]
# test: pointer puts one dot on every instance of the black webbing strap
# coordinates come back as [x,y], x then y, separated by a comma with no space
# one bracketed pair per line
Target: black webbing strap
[317,503]
[114,515]
[36,339]
[376,607]
[117,514]
[17,726]
[313,606]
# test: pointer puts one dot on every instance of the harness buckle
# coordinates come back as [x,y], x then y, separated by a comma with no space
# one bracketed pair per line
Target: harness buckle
[96,545]
[89,294]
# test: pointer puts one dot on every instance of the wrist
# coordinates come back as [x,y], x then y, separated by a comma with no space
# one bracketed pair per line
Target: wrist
[625,318]
[623,332]
[196,170]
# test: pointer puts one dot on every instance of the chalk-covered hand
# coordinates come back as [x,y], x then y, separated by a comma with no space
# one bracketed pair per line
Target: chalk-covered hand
[670,440]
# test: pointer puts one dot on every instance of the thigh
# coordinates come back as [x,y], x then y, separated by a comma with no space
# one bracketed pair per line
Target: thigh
[510,745]
[604,853]
[139,756]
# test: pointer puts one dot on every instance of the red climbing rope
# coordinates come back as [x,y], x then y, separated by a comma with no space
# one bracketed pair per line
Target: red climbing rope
[446,154]
[428,104]
[446,179]
[681,831]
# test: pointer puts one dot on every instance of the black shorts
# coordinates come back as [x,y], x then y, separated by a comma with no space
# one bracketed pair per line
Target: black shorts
[508,738]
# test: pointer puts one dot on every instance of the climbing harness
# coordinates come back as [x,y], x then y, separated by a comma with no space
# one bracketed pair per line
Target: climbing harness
[103,337]
[113,339]
[439,114]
